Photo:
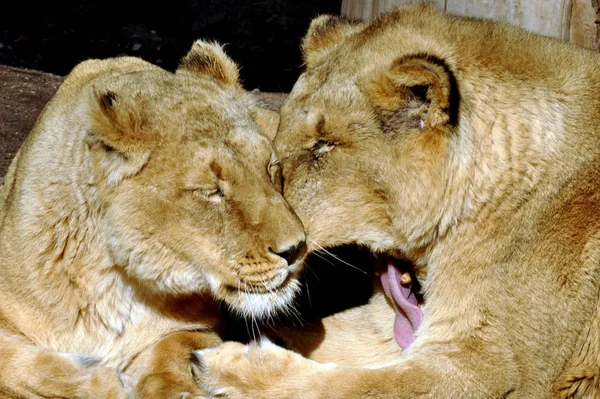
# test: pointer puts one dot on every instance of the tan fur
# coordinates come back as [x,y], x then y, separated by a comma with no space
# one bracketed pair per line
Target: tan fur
[473,149]
[359,336]
[140,201]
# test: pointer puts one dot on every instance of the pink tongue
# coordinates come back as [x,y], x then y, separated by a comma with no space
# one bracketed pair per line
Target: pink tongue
[408,313]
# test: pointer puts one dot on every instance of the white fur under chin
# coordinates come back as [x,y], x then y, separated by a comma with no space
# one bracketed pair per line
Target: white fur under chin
[252,305]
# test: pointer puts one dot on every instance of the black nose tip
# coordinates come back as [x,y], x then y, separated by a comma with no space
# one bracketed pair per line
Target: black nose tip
[293,253]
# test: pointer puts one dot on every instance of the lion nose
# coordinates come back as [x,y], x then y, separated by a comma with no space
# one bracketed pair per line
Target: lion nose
[293,253]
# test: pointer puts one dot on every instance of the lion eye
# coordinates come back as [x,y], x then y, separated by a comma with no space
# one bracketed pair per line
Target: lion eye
[274,170]
[321,147]
[212,194]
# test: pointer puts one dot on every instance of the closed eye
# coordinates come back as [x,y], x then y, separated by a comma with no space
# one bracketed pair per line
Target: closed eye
[214,195]
[210,193]
[274,170]
[322,147]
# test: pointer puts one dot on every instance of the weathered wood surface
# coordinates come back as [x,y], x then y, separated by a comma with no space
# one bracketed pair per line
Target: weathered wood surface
[367,9]
[569,20]
[23,94]
[584,27]
[546,17]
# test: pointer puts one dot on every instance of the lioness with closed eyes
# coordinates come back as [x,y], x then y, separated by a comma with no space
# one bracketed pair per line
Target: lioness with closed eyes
[471,149]
[141,200]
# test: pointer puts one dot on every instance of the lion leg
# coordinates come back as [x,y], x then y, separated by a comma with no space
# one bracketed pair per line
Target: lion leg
[235,371]
[27,371]
[169,371]
[359,336]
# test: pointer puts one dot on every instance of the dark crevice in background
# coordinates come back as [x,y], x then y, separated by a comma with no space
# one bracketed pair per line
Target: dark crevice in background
[331,282]
[263,37]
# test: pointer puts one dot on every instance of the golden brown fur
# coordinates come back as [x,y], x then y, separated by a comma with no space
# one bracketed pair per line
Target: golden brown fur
[472,149]
[130,211]
[358,336]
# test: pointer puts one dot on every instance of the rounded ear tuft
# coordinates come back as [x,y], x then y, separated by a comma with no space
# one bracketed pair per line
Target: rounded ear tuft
[117,123]
[119,132]
[420,86]
[324,33]
[209,60]
[107,99]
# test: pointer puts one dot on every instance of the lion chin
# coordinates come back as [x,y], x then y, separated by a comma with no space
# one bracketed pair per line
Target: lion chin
[264,306]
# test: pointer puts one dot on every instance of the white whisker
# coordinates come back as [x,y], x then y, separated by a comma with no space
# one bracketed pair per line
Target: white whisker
[307,289]
[269,315]
[322,249]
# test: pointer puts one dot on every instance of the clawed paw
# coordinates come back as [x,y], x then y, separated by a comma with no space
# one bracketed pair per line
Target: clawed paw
[168,385]
[106,383]
[233,370]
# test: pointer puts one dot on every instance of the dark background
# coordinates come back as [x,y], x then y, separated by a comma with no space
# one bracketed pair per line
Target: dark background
[262,36]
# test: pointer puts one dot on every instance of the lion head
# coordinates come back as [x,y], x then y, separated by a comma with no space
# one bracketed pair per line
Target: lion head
[168,178]
[364,138]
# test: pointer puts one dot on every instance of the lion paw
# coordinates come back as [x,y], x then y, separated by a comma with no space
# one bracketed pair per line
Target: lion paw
[105,383]
[236,371]
[167,385]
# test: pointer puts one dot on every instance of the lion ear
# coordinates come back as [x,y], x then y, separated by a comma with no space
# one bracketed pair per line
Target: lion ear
[118,134]
[418,90]
[268,120]
[209,60]
[324,33]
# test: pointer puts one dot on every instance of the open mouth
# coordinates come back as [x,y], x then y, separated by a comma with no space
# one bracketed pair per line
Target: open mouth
[339,278]
[403,291]
[335,279]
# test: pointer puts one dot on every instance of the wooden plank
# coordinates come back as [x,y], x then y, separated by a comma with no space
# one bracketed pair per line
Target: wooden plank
[546,17]
[577,21]
[584,27]
[368,9]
